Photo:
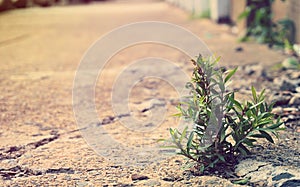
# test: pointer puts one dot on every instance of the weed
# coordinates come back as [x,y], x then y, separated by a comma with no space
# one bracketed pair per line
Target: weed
[222,127]
[262,28]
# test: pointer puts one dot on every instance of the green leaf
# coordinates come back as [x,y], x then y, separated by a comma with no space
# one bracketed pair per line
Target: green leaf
[235,102]
[216,60]
[254,94]
[174,136]
[249,142]
[256,135]
[241,181]
[266,129]
[262,95]
[177,115]
[267,136]
[172,132]
[264,115]
[223,135]
[189,142]
[221,157]
[264,122]
[230,74]
[270,107]
[276,125]
[243,149]
[202,168]
[257,104]
[161,140]
[245,14]
[183,134]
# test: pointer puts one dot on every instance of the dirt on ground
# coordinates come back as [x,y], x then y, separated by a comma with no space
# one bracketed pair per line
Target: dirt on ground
[41,143]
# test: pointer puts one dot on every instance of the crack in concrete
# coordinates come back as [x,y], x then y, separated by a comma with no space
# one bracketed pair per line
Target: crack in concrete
[14,152]
[111,119]
[152,107]
[60,170]
[255,170]
[19,171]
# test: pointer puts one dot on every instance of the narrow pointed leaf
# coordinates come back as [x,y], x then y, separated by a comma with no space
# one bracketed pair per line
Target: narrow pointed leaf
[241,181]
[183,134]
[254,93]
[230,74]
[267,136]
[189,142]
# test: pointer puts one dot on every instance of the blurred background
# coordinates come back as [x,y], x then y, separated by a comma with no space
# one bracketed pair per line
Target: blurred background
[228,11]
[42,43]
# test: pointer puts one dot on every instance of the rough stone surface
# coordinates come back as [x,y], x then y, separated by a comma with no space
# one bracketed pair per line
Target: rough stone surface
[40,142]
[295,100]
[291,183]
[248,166]
[266,174]
[284,175]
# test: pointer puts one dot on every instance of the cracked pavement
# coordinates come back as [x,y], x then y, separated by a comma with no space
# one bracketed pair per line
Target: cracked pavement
[40,50]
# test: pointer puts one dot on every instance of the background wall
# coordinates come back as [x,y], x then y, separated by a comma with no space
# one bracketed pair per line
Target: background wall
[287,9]
[293,12]
[233,8]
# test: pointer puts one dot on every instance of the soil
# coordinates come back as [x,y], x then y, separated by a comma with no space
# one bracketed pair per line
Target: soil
[41,143]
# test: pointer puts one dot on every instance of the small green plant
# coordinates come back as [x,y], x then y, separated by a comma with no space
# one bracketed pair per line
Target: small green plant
[262,28]
[222,127]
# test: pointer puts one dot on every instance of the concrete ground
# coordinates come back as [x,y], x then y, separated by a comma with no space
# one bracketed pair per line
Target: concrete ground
[40,50]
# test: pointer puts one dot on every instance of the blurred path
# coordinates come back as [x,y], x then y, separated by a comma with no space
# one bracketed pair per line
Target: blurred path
[40,49]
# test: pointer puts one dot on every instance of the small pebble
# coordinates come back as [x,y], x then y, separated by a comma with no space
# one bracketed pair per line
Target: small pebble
[139,177]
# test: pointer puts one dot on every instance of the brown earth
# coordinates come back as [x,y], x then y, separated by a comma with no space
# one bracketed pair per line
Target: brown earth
[40,50]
